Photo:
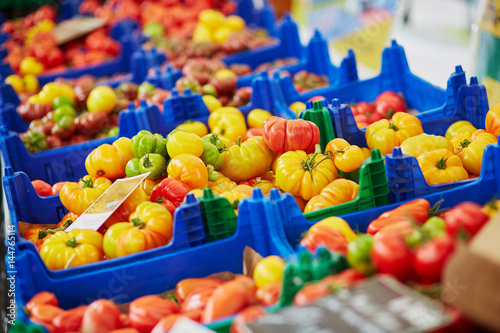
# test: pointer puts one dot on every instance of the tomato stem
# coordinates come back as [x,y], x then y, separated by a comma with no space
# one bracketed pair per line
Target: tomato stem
[72,242]
[137,223]
[238,142]
[441,164]
[147,162]
[393,127]
[465,143]
[87,183]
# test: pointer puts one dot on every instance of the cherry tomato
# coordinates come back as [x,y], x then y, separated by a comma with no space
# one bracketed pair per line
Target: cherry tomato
[388,103]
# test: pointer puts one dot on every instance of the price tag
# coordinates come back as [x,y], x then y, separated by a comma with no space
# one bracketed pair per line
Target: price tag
[76,27]
[107,203]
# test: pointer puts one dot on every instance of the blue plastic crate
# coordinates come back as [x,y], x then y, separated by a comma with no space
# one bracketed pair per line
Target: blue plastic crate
[480,190]
[462,102]
[149,272]
[395,76]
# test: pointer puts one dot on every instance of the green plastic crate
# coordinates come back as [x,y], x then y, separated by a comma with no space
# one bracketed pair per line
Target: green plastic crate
[218,216]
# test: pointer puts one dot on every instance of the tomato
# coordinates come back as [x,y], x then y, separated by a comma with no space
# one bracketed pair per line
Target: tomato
[71,249]
[390,255]
[252,132]
[423,143]
[257,117]
[70,320]
[228,299]
[290,135]
[150,226]
[441,166]
[304,175]
[493,120]
[336,223]
[211,102]
[182,142]
[346,157]
[148,185]
[248,315]
[310,293]
[385,135]
[186,286]
[16,82]
[67,220]
[52,90]
[195,127]
[109,160]
[145,312]
[234,197]
[101,316]
[166,323]
[155,164]
[127,207]
[467,216]
[190,169]
[30,65]
[376,225]
[346,279]
[227,122]
[269,270]
[42,188]
[146,142]
[77,197]
[44,313]
[197,299]
[170,189]
[325,236]
[337,192]
[101,98]
[358,254]
[459,127]
[429,259]
[403,228]
[43,297]
[388,103]
[56,188]
[247,160]
[418,210]
[269,294]
[470,148]
[297,107]
[367,111]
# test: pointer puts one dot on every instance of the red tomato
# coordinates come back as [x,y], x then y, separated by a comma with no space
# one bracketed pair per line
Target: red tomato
[391,255]
[101,316]
[346,278]
[269,294]
[403,229]
[323,235]
[125,330]
[56,188]
[361,120]
[252,132]
[366,109]
[283,135]
[467,216]
[42,188]
[229,298]
[145,312]
[186,286]
[171,189]
[250,314]
[316,98]
[311,293]
[429,259]
[44,313]
[43,297]
[388,103]
[70,320]
[197,300]
[166,323]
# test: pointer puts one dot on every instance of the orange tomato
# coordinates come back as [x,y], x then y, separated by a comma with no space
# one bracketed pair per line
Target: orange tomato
[190,169]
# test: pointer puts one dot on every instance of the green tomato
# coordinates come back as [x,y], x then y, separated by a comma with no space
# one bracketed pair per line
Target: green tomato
[63,111]
[209,89]
[113,131]
[153,29]
[62,100]
[434,227]
[216,141]
[65,122]
[132,167]
[154,163]
[415,239]
[145,142]
[358,254]
[145,87]
[211,155]
[34,141]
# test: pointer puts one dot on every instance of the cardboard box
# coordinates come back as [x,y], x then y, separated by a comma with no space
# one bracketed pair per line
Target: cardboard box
[472,277]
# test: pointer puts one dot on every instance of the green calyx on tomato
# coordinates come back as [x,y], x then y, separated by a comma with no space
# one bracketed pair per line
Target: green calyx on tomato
[434,227]
[154,163]
[132,167]
[62,100]
[34,141]
[145,142]
[358,254]
[211,155]
[216,141]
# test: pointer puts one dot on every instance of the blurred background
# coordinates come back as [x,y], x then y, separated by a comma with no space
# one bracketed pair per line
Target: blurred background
[437,35]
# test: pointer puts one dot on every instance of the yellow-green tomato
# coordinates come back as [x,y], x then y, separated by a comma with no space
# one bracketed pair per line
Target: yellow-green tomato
[101,98]
[182,142]
[269,270]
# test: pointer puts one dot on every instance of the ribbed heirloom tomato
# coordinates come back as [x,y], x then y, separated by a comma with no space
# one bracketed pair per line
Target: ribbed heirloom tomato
[77,197]
[441,166]
[110,160]
[190,169]
[423,143]
[470,148]
[346,157]
[285,135]
[335,193]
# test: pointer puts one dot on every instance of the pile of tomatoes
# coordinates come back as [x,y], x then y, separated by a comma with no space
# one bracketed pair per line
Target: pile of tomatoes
[384,107]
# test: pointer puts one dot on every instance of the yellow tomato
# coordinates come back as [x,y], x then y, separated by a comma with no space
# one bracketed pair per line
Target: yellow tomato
[101,98]
[234,197]
[16,82]
[338,223]
[470,148]
[52,90]
[195,127]
[234,22]
[30,65]
[297,107]
[493,120]
[202,34]
[105,161]
[77,197]
[222,184]
[347,158]
[265,186]
[304,175]
[366,152]
[211,18]
[211,102]
[31,83]
[337,192]
[190,169]
[225,73]
[257,117]
[385,135]
[269,270]
[247,160]
[228,122]
[196,192]
[422,143]
[441,166]
[182,142]
[458,127]
[148,185]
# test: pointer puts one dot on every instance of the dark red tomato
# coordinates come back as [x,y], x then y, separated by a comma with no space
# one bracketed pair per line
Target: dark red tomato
[145,312]
[187,286]
[70,320]
[53,58]
[42,188]
[43,297]
[466,217]
[91,123]
[101,316]
[429,259]
[249,314]
[269,294]
[391,255]
[388,103]
[311,293]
